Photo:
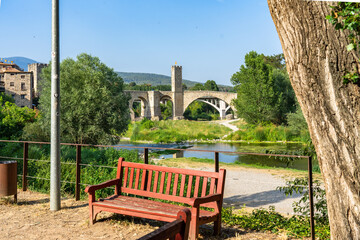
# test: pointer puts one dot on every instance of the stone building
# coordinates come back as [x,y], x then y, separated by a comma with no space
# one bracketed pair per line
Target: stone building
[35,69]
[20,85]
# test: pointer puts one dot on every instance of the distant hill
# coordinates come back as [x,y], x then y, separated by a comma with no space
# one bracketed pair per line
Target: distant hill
[157,79]
[138,78]
[152,78]
[22,62]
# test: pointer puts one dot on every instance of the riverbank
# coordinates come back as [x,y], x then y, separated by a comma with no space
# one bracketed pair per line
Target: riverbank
[228,131]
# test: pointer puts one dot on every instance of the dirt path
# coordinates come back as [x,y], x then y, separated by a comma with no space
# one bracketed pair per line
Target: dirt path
[31,219]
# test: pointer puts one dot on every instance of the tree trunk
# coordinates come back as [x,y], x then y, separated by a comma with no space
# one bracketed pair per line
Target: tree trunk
[317,59]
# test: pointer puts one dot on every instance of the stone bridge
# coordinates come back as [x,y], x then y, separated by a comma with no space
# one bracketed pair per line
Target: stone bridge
[150,100]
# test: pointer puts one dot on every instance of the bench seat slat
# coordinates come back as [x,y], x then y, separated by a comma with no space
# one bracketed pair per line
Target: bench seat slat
[146,206]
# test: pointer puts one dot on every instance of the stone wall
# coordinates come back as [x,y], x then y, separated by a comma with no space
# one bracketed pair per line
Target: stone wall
[19,86]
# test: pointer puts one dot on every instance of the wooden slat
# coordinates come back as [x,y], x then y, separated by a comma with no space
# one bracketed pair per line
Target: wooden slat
[156,181]
[189,186]
[175,187]
[137,178]
[143,177]
[156,195]
[125,177]
[204,186]
[197,183]
[168,185]
[172,170]
[131,180]
[162,181]
[182,187]
[212,186]
[149,181]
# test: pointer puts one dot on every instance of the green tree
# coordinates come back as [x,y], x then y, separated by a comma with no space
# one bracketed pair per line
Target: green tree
[197,87]
[166,110]
[264,92]
[94,108]
[211,85]
[13,118]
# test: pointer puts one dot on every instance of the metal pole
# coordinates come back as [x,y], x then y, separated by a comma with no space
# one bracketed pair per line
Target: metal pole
[78,169]
[311,199]
[216,160]
[25,165]
[146,155]
[55,111]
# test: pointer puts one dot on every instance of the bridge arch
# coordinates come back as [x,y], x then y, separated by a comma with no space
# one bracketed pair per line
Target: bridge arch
[221,101]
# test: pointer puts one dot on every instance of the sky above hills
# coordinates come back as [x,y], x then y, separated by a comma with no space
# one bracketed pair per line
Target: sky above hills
[209,38]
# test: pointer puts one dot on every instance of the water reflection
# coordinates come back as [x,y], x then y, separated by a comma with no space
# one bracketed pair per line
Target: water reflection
[233,147]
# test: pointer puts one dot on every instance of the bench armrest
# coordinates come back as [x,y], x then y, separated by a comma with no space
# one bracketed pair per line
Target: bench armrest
[91,189]
[195,202]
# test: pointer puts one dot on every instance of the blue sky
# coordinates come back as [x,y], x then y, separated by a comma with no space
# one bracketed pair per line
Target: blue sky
[209,38]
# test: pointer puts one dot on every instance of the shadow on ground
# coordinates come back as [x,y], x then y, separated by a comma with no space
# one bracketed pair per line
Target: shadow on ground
[257,199]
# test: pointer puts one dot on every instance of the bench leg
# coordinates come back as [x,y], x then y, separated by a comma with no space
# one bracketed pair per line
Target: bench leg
[92,214]
[217,226]
[194,228]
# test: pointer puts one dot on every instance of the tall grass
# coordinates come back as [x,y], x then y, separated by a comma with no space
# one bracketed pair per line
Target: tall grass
[268,132]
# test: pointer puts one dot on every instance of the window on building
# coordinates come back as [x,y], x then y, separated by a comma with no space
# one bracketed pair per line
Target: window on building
[23,96]
[11,84]
[13,96]
[12,74]
[23,88]
[22,76]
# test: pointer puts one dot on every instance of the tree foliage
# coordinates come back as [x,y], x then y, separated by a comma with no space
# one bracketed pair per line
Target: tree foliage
[94,108]
[264,90]
[13,118]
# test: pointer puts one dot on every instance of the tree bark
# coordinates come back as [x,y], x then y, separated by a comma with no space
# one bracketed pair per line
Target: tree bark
[317,59]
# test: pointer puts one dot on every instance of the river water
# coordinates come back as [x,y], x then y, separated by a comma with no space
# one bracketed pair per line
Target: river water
[245,147]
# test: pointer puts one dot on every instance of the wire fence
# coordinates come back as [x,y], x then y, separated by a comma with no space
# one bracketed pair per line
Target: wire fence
[78,164]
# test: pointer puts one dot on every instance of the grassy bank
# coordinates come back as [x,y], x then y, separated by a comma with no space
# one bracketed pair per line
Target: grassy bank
[267,132]
[167,131]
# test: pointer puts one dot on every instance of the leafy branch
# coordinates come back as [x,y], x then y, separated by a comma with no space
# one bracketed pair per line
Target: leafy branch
[346,16]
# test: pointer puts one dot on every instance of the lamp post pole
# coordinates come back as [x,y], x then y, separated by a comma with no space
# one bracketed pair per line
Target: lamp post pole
[55,111]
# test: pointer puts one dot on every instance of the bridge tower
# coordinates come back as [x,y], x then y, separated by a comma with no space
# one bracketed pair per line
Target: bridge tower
[177,92]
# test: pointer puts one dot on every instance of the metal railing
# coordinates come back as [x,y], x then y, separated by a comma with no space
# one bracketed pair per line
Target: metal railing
[78,164]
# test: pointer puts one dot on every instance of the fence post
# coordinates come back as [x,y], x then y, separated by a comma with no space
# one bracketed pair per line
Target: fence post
[25,165]
[146,155]
[78,172]
[216,159]
[311,198]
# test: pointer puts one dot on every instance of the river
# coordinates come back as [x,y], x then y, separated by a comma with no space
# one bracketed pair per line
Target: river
[300,164]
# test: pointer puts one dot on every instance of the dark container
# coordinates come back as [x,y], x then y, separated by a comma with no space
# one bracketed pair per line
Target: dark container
[8,178]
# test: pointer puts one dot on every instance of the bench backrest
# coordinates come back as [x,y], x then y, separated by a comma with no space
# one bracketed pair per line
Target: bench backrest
[166,183]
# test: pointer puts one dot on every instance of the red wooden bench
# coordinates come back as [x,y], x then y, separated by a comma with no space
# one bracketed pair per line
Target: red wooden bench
[162,183]
[177,230]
